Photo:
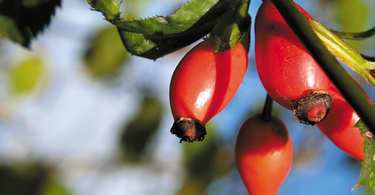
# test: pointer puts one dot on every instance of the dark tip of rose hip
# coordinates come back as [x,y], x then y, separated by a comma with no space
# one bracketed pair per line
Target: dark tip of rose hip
[188,130]
[313,107]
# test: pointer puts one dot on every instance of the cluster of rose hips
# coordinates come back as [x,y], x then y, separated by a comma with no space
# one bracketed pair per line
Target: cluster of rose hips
[204,82]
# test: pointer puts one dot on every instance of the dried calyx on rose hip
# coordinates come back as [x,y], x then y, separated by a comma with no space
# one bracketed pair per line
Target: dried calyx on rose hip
[189,130]
[312,107]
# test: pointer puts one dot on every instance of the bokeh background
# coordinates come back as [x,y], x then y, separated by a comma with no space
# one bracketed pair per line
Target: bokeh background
[80,116]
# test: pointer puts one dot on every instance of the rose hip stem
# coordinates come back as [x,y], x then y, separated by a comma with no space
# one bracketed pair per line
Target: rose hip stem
[267,109]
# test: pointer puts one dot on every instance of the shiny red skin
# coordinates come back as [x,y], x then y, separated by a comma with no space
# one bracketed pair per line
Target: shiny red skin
[203,83]
[263,154]
[285,68]
[338,126]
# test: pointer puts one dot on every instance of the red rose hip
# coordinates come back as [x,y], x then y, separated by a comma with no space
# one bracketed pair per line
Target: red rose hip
[202,85]
[263,154]
[287,71]
[339,126]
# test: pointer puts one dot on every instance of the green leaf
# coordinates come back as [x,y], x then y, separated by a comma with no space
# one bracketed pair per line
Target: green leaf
[157,36]
[105,54]
[109,8]
[23,20]
[232,27]
[182,20]
[367,177]
[8,28]
[25,76]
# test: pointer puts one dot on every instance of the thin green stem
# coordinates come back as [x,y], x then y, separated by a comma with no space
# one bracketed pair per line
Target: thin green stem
[267,109]
[336,73]
[356,36]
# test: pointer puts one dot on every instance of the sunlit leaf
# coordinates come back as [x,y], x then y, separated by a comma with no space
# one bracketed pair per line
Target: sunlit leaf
[109,8]
[26,75]
[105,54]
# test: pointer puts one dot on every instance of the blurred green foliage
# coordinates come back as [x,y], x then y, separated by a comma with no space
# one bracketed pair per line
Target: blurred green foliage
[349,15]
[205,162]
[353,15]
[29,179]
[21,182]
[26,75]
[138,132]
[105,55]
[53,187]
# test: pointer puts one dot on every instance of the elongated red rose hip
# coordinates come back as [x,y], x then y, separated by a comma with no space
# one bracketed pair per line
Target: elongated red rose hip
[339,126]
[263,154]
[287,71]
[202,85]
